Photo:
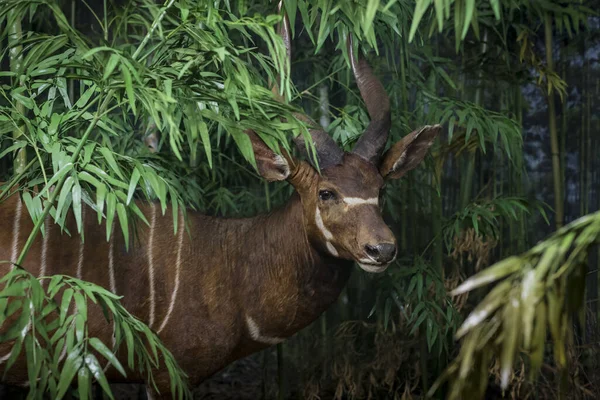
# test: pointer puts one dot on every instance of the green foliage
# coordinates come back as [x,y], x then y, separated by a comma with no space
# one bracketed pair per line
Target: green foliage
[195,77]
[76,105]
[568,15]
[343,17]
[47,321]
[416,290]
[484,217]
[198,74]
[537,291]
[494,128]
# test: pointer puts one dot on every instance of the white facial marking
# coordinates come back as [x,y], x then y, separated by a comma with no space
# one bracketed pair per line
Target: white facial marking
[319,221]
[45,247]
[375,269]
[111,262]
[177,269]
[81,248]
[326,233]
[16,231]
[357,201]
[254,331]
[331,249]
[151,265]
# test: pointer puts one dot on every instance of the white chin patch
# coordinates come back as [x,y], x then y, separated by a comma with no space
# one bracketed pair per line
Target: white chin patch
[374,269]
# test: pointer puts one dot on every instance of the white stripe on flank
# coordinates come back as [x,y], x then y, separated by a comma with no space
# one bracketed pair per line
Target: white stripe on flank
[177,269]
[356,201]
[254,331]
[111,262]
[16,231]
[45,247]
[81,248]
[151,265]
[375,269]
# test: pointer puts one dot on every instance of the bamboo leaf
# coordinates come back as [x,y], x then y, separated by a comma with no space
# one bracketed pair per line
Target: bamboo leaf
[65,303]
[510,343]
[69,369]
[420,8]
[489,275]
[84,381]
[106,353]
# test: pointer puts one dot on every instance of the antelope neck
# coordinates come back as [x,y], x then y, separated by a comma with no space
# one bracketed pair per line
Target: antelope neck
[284,281]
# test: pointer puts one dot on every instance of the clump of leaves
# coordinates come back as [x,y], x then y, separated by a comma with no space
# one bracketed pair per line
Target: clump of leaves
[539,290]
[49,318]
[484,216]
[421,301]
[475,247]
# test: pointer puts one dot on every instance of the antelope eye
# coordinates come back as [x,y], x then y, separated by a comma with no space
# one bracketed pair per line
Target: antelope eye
[326,195]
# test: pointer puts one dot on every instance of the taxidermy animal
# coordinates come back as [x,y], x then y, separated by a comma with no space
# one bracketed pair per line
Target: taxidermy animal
[230,287]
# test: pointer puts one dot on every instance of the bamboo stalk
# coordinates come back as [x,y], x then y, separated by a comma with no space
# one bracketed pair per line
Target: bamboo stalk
[588,128]
[523,241]
[558,194]
[265,375]
[470,167]
[71,81]
[564,119]
[436,204]
[15,36]
[280,373]
[403,188]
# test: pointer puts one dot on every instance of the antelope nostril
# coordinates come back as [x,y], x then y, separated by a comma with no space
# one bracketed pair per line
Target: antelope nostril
[372,251]
[382,252]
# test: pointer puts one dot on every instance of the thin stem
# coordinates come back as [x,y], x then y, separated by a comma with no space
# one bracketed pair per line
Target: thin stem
[280,373]
[71,81]
[556,171]
[16,61]
[105,27]
[470,168]
[157,21]
[16,179]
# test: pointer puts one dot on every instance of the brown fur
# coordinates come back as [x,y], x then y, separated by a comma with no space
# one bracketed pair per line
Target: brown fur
[221,281]
[273,268]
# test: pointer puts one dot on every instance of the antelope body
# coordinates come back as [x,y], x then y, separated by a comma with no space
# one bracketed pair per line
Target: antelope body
[229,287]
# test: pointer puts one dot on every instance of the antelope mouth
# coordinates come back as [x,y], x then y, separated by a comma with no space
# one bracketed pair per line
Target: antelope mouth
[374,268]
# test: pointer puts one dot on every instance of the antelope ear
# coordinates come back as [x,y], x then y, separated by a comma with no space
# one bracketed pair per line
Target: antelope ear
[271,166]
[408,152]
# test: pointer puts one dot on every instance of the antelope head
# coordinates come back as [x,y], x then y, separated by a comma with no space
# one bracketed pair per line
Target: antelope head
[341,206]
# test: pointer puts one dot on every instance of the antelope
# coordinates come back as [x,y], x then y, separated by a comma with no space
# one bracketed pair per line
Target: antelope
[226,288]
